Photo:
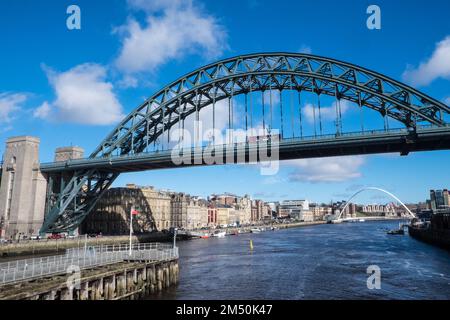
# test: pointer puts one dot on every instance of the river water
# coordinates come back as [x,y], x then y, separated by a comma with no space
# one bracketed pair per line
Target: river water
[316,262]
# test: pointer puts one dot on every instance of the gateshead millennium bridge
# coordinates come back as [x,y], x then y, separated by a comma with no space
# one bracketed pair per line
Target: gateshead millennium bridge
[273,91]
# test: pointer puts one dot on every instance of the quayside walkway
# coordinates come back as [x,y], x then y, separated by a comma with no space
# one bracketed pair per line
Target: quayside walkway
[84,258]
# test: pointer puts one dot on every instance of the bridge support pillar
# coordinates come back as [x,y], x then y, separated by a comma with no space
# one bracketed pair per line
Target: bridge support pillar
[58,181]
[22,188]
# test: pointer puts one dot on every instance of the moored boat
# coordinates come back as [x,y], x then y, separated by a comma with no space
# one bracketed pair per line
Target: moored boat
[219,234]
[396,232]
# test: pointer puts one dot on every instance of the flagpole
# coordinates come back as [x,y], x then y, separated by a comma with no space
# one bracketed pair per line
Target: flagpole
[131,230]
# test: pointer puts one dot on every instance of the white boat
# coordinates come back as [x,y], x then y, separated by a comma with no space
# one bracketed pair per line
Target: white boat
[255,230]
[362,220]
[220,234]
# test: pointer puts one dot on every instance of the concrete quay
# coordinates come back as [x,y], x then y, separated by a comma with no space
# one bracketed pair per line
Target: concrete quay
[126,280]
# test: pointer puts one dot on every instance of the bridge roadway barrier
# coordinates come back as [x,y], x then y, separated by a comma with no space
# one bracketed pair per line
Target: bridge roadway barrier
[49,246]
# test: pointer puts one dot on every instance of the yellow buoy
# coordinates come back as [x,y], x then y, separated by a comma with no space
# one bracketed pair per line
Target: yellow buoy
[251,244]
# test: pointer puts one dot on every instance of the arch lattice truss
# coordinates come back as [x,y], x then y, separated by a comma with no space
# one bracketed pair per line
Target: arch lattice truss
[225,79]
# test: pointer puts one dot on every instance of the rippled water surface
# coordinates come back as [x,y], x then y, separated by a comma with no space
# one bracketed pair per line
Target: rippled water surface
[317,262]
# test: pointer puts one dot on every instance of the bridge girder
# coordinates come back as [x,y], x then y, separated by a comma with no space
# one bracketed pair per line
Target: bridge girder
[227,78]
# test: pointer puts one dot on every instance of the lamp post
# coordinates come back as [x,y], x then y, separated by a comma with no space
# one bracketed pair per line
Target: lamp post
[133,212]
[131,231]
[175,237]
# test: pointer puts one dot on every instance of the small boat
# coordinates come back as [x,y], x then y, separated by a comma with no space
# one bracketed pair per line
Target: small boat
[361,220]
[205,236]
[396,232]
[220,234]
[255,230]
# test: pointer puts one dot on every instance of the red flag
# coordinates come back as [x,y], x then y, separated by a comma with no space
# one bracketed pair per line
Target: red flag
[134,212]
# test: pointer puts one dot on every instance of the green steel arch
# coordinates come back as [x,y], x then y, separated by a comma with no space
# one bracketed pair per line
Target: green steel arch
[77,193]
[260,72]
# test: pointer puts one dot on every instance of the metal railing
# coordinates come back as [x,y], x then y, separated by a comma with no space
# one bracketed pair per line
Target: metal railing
[83,258]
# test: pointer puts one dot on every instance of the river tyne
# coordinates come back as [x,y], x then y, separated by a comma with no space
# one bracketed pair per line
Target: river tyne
[316,262]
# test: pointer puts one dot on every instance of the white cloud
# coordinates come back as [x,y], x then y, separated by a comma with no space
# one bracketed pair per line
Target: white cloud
[447,101]
[335,169]
[326,113]
[10,104]
[43,111]
[128,82]
[155,5]
[305,49]
[437,66]
[82,96]
[273,180]
[275,97]
[173,29]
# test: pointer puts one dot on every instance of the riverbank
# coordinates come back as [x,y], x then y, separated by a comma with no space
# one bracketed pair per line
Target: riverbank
[205,233]
[26,249]
[275,226]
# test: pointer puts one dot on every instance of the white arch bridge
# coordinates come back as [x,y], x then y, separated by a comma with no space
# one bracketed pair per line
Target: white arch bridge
[339,216]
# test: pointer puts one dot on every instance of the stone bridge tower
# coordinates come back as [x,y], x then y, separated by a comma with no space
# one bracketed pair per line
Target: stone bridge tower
[22,188]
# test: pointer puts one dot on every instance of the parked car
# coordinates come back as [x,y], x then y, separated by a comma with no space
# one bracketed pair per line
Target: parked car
[56,236]
[35,237]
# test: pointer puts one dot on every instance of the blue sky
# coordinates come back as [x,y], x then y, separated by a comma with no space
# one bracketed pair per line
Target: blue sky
[42,62]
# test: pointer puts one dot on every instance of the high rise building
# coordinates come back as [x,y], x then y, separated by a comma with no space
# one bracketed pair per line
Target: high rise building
[439,199]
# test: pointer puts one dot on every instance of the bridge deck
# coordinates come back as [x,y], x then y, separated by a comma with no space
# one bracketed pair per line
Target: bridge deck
[369,142]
